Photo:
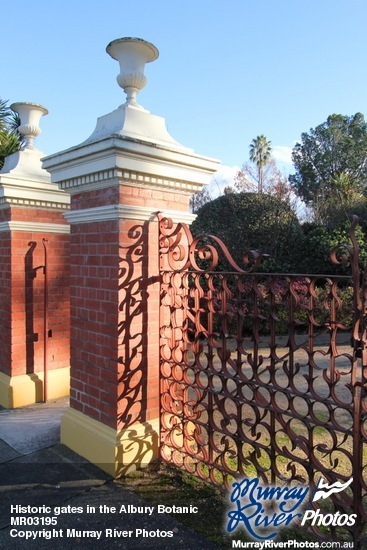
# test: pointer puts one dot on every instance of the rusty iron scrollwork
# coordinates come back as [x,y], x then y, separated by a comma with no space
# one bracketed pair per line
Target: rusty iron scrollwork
[202,253]
[258,374]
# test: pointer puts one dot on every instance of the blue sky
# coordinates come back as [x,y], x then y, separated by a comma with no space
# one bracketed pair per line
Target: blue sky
[227,71]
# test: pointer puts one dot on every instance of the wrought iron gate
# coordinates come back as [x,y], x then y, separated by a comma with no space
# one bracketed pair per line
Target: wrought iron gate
[263,375]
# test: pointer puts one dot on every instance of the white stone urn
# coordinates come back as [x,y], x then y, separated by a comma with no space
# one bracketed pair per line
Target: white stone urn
[29,114]
[132,54]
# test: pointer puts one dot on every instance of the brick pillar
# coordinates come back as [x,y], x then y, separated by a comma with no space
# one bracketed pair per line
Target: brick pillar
[32,229]
[127,171]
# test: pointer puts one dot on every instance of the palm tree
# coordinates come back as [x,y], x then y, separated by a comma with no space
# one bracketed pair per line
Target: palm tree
[260,151]
[10,140]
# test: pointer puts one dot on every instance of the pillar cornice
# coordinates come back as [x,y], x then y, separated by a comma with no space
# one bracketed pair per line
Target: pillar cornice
[23,181]
[125,212]
[102,179]
[118,159]
[35,227]
[18,190]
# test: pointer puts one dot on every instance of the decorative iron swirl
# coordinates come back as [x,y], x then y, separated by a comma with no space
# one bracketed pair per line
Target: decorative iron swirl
[209,253]
[174,240]
[337,253]
[183,251]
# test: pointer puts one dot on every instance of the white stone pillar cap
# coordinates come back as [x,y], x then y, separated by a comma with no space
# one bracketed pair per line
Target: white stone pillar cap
[23,181]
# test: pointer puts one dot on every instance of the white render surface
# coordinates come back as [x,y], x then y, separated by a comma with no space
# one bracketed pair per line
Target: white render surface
[35,227]
[125,212]
[23,180]
[136,123]
[117,159]
[26,164]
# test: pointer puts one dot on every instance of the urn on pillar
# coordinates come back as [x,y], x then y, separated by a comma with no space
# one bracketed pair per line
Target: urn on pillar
[131,120]
[29,114]
[27,161]
[132,55]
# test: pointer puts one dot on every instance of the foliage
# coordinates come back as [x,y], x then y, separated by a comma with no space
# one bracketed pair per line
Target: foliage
[331,163]
[261,174]
[335,206]
[319,240]
[10,140]
[254,221]
[260,151]
[272,295]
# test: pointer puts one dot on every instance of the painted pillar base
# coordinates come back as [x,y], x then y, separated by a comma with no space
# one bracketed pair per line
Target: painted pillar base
[26,389]
[117,452]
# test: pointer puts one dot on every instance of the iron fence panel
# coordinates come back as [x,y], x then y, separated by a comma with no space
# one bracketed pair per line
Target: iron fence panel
[263,375]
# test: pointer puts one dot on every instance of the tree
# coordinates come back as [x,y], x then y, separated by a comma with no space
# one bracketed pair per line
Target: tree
[273,182]
[331,163]
[338,202]
[10,140]
[254,221]
[260,151]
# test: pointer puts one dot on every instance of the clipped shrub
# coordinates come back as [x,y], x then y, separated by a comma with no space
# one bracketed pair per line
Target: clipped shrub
[254,221]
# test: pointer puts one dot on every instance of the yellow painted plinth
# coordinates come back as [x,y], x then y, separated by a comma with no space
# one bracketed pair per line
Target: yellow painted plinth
[25,389]
[117,452]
